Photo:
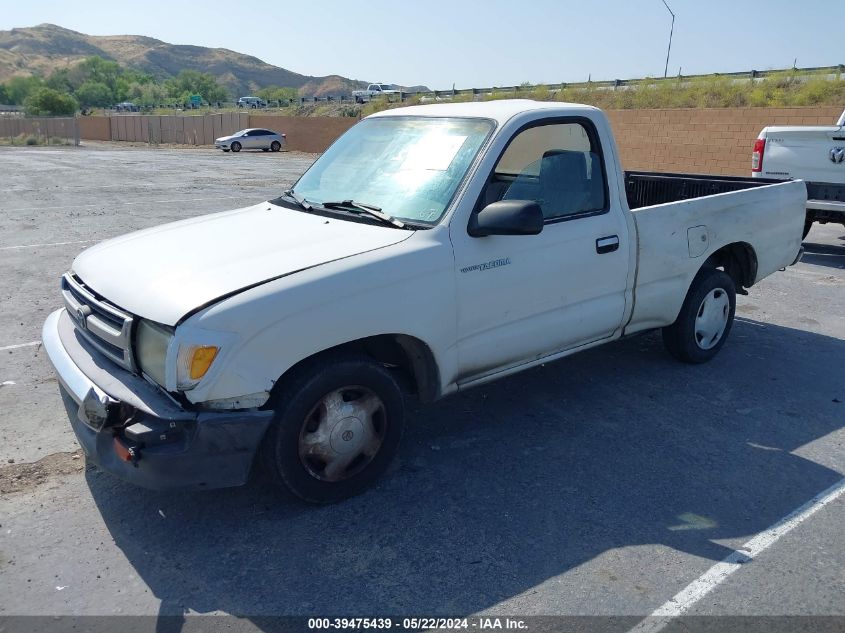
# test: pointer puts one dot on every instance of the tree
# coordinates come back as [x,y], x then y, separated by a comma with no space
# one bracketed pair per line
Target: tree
[60,80]
[94,93]
[100,70]
[19,88]
[275,93]
[4,96]
[192,82]
[147,94]
[49,102]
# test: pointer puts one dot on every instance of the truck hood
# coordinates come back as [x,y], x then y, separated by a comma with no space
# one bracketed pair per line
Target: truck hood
[165,272]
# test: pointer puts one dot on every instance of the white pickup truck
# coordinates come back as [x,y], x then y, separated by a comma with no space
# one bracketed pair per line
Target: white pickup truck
[813,154]
[429,250]
[374,91]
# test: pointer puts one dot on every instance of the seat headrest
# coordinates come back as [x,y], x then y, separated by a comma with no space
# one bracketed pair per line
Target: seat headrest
[564,166]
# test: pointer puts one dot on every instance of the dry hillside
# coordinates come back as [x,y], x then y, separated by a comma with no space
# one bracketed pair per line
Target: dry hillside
[44,48]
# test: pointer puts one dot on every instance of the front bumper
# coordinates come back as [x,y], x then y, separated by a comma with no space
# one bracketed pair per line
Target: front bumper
[130,428]
[221,145]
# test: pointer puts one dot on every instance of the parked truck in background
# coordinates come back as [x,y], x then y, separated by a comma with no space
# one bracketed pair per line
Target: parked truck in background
[429,250]
[374,90]
[815,154]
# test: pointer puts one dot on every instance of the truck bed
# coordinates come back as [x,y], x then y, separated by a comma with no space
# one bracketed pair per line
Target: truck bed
[681,218]
[645,189]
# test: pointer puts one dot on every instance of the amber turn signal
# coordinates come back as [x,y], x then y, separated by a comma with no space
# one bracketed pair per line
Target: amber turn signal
[201,360]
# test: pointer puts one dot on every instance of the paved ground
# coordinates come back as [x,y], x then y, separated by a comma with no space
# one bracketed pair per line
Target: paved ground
[601,485]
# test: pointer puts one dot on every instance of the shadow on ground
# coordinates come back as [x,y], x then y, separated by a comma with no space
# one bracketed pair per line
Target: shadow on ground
[824,254]
[502,488]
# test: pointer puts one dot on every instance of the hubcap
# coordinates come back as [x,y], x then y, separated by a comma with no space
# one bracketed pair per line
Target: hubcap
[712,318]
[342,433]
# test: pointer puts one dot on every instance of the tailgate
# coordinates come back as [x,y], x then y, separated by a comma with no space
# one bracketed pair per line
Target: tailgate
[808,153]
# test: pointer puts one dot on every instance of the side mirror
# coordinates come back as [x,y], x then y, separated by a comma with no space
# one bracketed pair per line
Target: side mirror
[507,217]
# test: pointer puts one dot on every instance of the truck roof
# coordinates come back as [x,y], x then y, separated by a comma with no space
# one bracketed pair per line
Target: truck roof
[500,111]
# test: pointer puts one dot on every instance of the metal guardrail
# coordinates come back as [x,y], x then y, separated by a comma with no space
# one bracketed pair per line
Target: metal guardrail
[612,84]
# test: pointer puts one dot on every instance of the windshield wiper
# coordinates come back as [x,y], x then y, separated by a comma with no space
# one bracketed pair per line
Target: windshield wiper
[369,209]
[301,201]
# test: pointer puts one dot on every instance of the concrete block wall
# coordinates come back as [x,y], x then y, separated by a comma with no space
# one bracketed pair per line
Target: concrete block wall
[305,134]
[705,141]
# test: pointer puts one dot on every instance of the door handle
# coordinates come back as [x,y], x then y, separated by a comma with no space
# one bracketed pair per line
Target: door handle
[607,244]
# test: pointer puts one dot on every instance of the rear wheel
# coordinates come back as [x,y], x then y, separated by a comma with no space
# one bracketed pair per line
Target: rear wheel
[236,147]
[275,146]
[705,319]
[337,428]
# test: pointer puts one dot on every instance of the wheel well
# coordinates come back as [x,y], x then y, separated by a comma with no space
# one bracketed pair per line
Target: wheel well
[407,355]
[739,261]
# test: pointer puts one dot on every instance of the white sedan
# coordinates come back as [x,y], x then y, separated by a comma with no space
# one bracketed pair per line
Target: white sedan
[252,138]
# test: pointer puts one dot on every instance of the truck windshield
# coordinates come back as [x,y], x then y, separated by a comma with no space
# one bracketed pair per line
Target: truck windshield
[408,166]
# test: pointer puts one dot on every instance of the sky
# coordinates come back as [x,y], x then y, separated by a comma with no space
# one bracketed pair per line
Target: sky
[473,44]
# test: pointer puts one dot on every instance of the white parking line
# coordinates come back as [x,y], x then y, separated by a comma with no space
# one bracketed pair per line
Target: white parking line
[8,347]
[9,248]
[718,573]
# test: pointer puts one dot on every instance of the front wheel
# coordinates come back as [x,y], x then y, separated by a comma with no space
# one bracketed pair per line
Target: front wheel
[236,147]
[705,319]
[337,428]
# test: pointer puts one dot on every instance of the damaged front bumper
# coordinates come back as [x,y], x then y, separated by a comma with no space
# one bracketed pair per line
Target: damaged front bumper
[130,428]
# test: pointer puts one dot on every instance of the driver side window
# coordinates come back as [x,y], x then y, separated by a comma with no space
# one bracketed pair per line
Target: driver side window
[556,165]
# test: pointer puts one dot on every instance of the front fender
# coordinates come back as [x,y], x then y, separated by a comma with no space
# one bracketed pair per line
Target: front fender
[407,288]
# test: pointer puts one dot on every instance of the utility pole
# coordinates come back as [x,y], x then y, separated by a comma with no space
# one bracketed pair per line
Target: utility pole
[671,30]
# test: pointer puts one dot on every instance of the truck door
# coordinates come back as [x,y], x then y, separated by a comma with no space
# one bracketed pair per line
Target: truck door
[524,297]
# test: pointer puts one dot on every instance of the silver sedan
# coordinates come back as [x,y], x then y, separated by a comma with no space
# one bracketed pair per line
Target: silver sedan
[252,138]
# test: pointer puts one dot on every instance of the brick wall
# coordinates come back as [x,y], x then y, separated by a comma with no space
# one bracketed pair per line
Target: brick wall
[305,134]
[705,141]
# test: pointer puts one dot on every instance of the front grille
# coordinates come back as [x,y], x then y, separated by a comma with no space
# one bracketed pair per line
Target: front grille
[105,326]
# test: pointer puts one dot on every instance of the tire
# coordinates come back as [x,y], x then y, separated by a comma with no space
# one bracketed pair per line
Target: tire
[235,147]
[265,149]
[275,146]
[359,100]
[225,150]
[705,319]
[337,427]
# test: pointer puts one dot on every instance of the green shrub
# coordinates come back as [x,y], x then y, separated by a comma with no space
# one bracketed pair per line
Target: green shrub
[31,140]
[49,102]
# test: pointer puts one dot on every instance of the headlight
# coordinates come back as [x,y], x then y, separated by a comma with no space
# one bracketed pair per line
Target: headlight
[151,343]
[193,361]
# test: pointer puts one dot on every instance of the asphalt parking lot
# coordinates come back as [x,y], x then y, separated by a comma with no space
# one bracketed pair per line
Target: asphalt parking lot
[605,484]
